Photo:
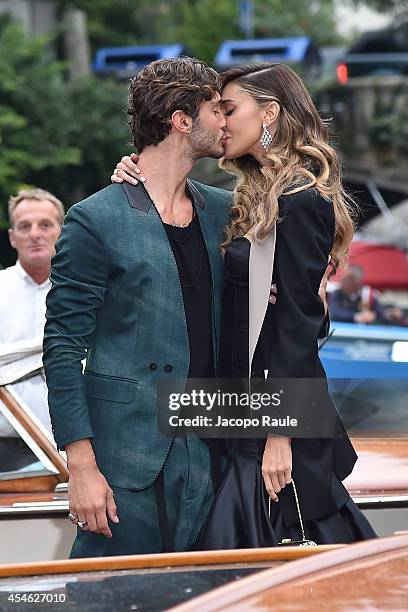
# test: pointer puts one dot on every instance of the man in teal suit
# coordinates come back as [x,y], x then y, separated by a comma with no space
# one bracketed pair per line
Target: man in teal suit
[136,289]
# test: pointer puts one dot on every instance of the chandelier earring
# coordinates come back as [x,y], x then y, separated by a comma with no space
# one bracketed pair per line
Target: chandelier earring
[266,138]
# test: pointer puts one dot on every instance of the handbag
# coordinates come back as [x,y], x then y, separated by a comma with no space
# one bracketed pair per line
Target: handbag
[288,541]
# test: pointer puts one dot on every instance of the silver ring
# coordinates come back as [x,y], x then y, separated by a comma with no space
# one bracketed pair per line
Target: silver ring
[72,517]
[82,524]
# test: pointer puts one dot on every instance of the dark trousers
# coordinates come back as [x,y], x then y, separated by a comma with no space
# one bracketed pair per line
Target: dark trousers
[167,516]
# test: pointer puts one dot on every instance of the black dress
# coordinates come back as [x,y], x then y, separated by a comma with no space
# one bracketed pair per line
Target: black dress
[239,516]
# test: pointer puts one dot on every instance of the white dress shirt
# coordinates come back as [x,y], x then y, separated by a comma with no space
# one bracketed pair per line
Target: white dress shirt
[22,317]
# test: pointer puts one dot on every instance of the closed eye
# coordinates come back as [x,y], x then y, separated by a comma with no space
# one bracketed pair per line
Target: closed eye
[228,113]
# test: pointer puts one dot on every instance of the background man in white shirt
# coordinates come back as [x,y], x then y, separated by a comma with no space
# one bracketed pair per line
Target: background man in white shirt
[35,217]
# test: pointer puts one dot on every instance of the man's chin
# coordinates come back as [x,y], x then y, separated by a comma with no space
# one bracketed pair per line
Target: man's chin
[212,153]
[218,154]
[39,259]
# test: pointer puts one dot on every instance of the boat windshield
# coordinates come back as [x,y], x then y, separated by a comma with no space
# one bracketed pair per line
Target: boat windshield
[20,455]
[377,407]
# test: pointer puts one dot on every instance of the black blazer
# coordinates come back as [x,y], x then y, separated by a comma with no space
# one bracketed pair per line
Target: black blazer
[288,347]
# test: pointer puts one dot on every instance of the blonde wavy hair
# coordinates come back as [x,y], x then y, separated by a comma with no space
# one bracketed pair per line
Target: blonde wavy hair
[300,157]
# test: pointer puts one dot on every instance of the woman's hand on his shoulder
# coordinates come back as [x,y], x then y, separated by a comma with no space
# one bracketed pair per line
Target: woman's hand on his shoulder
[127,170]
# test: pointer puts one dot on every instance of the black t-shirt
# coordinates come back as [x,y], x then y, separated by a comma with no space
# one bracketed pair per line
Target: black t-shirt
[190,252]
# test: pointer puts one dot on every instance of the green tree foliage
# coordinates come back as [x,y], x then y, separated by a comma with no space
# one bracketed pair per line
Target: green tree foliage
[202,24]
[99,131]
[34,131]
[66,136]
[314,18]
[125,22]
[61,136]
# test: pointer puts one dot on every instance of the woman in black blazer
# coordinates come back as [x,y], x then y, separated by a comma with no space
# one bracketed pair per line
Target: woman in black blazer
[290,215]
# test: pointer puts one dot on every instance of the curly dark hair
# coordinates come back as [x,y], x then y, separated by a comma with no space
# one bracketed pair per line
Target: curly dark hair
[163,87]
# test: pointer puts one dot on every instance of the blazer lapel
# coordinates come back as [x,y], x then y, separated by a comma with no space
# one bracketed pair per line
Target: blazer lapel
[137,196]
[261,259]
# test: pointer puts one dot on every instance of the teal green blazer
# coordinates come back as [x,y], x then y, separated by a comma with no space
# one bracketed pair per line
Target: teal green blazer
[116,300]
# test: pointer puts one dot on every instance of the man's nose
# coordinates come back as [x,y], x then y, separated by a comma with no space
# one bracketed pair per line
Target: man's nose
[35,232]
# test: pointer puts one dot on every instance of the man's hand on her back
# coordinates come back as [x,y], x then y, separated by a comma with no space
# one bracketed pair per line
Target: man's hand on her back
[91,499]
[127,170]
[323,288]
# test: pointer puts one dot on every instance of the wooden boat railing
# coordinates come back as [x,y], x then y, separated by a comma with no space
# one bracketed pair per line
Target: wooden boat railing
[165,560]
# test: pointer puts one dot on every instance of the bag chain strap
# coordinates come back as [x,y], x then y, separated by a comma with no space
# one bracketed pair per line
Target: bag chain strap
[297,506]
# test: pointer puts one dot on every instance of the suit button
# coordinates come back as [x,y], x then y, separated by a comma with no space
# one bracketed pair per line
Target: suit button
[168,367]
[153,367]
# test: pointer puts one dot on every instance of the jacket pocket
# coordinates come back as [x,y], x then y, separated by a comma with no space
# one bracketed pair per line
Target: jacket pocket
[110,388]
